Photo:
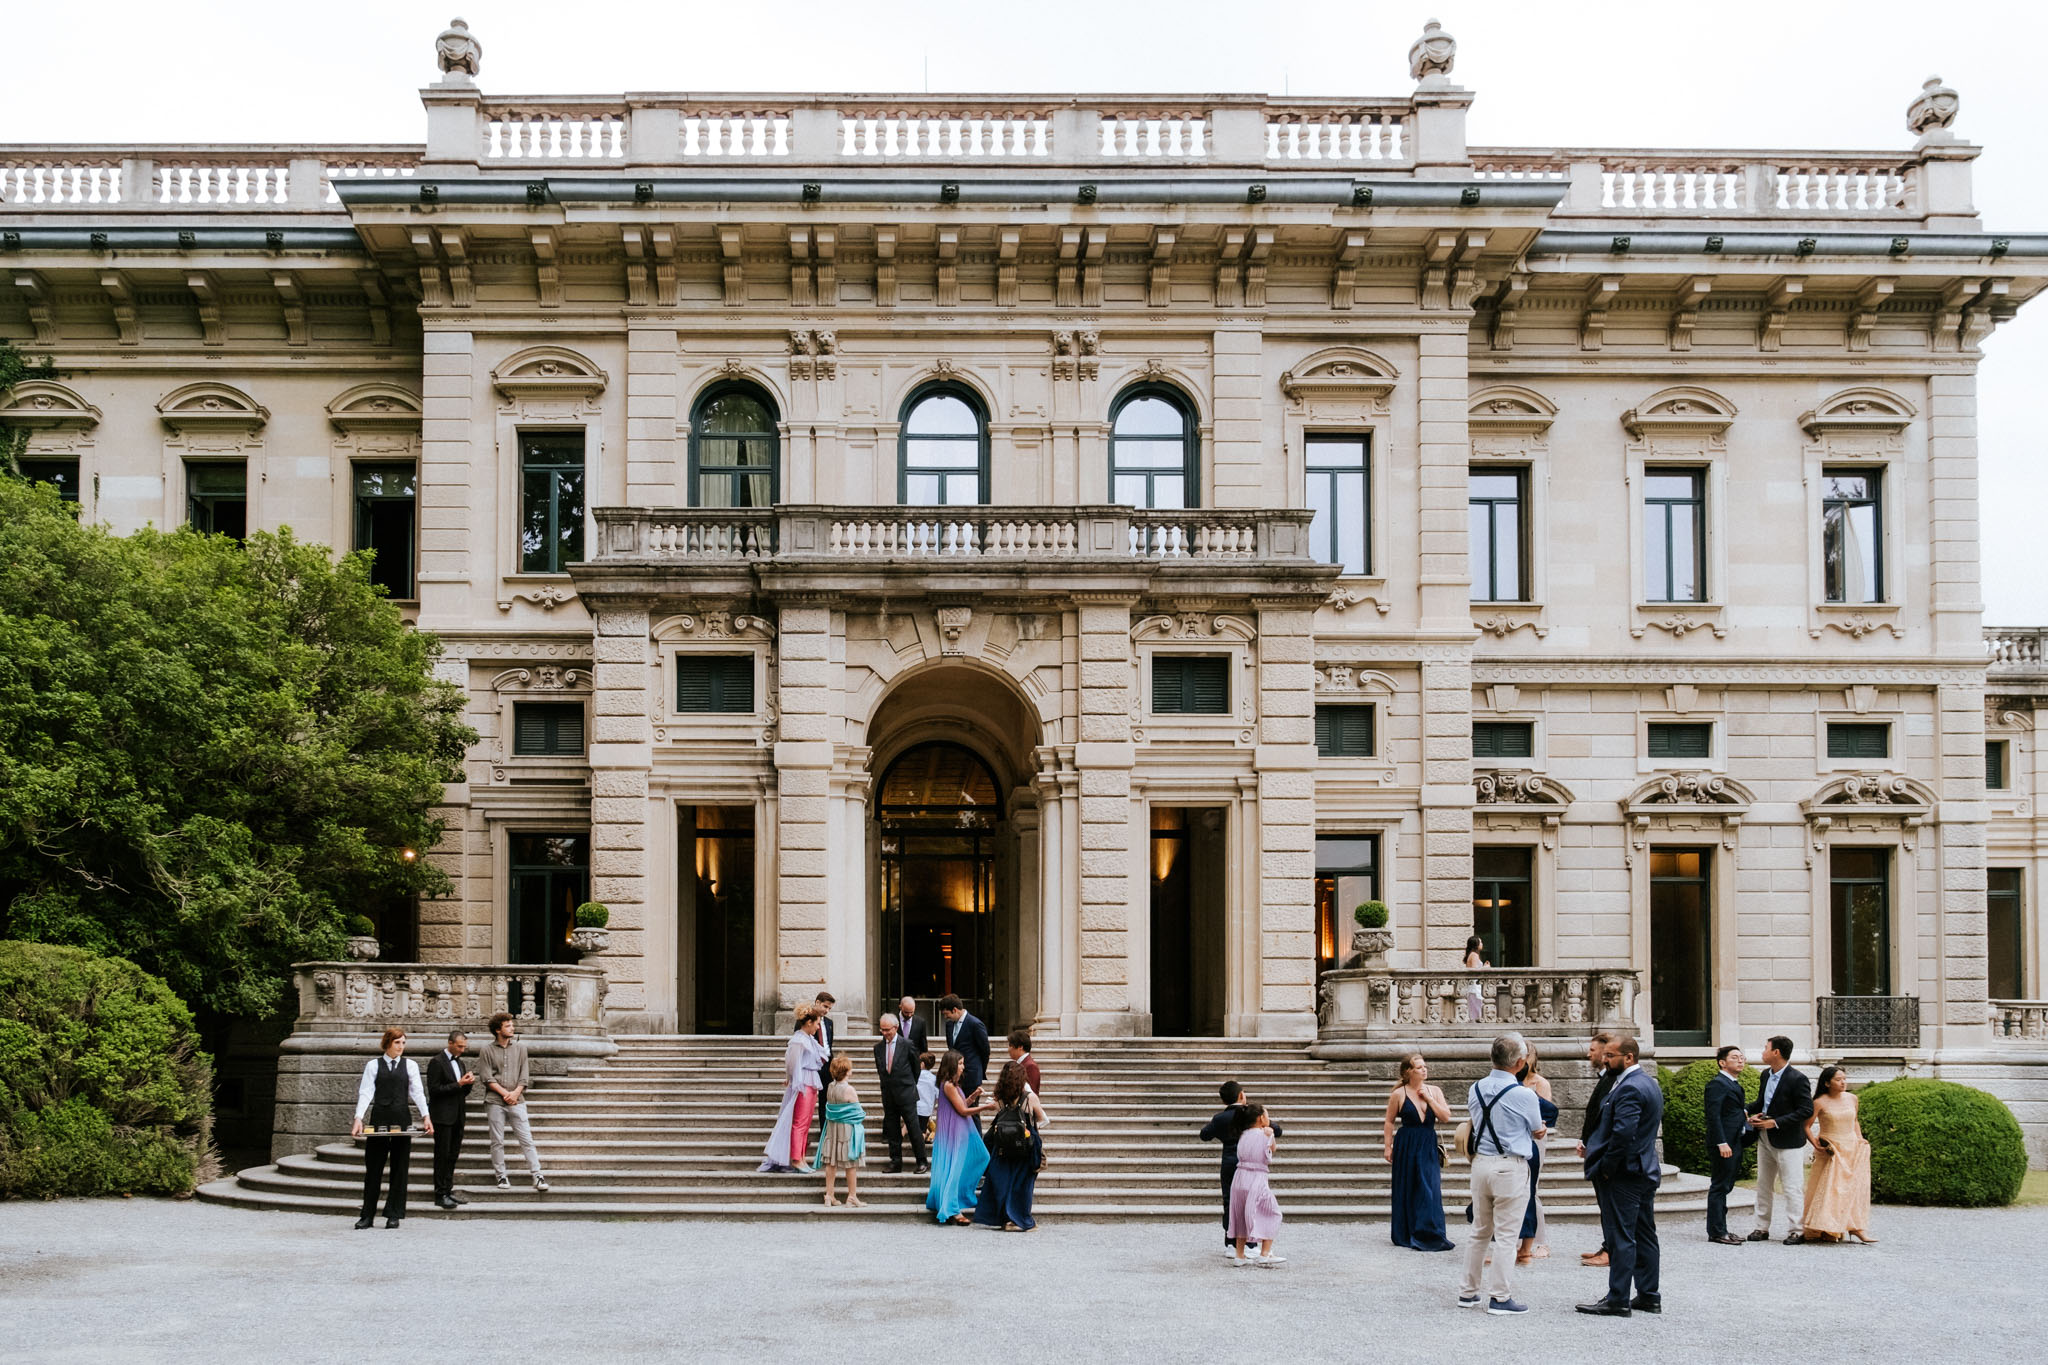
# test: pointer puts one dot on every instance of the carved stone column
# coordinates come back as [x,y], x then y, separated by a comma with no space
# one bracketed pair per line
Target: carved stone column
[803,829]
[1104,757]
[1286,759]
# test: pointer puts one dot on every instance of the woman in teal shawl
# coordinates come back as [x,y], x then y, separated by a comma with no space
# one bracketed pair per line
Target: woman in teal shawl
[958,1154]
[844,1146]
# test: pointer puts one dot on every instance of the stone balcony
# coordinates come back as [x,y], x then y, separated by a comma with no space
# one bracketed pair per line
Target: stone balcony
[2016,657]
[1366,1010]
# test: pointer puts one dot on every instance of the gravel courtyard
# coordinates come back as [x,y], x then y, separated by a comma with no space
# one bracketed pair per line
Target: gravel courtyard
[144,1280]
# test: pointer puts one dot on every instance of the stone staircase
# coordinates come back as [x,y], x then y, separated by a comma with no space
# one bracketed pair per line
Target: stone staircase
[672,1127]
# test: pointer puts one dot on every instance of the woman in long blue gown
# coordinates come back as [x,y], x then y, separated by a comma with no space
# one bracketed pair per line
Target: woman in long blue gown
[1012,1182]
[959,1156]
[1414,1109]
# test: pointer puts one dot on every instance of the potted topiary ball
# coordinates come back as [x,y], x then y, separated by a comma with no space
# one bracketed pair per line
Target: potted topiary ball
[590,934]
[362,938]
[1373,940]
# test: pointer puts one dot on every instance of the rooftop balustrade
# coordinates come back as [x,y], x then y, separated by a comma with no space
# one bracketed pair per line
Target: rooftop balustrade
[2016,654]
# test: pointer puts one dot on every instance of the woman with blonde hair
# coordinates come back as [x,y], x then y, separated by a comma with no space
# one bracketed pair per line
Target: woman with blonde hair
[790,1142]
[1534,1222]
[844,1146]
[1417,1159]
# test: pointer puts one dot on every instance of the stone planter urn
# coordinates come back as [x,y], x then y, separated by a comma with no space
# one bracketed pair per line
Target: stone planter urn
[1372,947]
[590,941]
[362,947]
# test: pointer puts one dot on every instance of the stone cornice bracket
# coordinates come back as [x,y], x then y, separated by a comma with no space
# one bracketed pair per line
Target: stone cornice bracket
[1344,599]
[1257,249]
[377,302]
[633,238]
[1990,309]
[1869,299]
[35,293]
[547,274]
[1344,273]
[1593,326]
[946,276]
[801,293]
[1685,309]
[121,296]
[1229,276]
[885,267]
[1945,330]
[433,282]
[1009,242]
[730,244]
[1507,310]
[205,287]
[291,297]
[1160,291]
[211,407]
[1433,290]
[1770,331]
[455,250]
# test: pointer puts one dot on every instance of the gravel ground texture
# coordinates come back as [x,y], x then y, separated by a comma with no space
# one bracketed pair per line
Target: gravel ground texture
[148,1280]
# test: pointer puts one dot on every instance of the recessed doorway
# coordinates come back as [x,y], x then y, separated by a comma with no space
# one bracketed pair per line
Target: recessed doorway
[715,938]
[1188,886]
[939,809]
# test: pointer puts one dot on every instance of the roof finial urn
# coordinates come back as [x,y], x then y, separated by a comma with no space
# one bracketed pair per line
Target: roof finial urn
[1931,114]
[1433,54]
[459,54]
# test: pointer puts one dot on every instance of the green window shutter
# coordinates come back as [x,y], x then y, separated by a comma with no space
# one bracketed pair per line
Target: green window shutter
[1344,731]
[1168,689]
[1190,685]
[547,728]
[1681,741]
[1859,741]
[1994,765]
[722,683]
[1503,739]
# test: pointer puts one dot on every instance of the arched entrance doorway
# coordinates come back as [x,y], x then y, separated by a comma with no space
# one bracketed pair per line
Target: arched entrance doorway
[939,808]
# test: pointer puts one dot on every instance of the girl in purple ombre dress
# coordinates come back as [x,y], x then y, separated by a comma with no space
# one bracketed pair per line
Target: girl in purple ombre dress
[1254,1212]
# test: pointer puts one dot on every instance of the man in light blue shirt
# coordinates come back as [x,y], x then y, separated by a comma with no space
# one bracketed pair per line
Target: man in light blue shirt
[1506,1124]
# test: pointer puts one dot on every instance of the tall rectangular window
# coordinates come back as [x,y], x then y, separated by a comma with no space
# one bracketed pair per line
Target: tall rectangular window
[1995,753]
[1674,535]
[2005,933]
[550,501]
[1859,740]
[1347,875]
[550,877]
[1190,685]
[715,682]
[387,521]
[1495,535]
[551,728]
[1852,535]
[1503,739]
[1681,947]
[217,497]
[1686,740]
[1859,913]
[61,475]
[1338,492]
[1501,905]
[1344,731]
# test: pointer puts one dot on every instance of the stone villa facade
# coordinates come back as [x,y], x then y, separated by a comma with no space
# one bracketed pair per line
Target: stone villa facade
[1071,551]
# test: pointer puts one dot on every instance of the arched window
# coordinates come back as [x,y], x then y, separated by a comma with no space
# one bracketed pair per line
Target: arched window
[944,448]
[1152,450]
[733,448]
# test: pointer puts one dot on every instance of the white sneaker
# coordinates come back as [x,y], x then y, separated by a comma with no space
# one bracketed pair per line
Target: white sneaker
[1229,1253]
[1242,1261]
[540,1184]
[1272,1259]
[504,1182]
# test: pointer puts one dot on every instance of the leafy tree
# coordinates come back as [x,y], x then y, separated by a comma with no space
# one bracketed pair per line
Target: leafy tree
[210,753]
[15,367]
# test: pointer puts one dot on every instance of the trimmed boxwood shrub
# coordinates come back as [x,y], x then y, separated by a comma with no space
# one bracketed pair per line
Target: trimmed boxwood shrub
[1685,1114]
[103,1087]
[1936,1142]
[591,915]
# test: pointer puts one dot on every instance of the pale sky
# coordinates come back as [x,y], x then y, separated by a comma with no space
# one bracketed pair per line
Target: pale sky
[1735,75]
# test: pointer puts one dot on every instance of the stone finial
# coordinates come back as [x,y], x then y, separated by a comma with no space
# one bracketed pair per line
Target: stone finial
[1433,54]
[460,55]
[1931,114]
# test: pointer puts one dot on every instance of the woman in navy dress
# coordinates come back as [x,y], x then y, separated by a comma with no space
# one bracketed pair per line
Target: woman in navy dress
[1414,1109]
[1532,1215]
[1012,1180]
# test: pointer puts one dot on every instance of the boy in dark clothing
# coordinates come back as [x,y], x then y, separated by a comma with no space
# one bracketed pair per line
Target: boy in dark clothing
[1227,1127]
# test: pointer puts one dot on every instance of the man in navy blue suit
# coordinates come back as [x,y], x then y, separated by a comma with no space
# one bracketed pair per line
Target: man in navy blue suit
[1621,1161]
[967,1036]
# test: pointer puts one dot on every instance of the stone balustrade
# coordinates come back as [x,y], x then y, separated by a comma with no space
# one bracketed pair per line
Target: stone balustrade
[2014,653]
[716,535]
[191,177]
[2019,1021]
[1406,1006]
[1611,183]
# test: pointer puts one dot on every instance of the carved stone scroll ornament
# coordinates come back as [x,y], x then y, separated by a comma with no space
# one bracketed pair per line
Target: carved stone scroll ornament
[1874,789]
[1680,626]
[1344,599]
[547,598]
[1513,789]
[1691,789]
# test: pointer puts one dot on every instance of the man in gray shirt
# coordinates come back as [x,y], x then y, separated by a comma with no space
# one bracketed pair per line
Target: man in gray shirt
[502,1066]
[1505,1126]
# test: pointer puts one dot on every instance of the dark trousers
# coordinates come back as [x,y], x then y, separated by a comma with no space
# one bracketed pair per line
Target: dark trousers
[447,1147]
[1725,1171]
[899,1113]
[375,1150]
[1600,1199]
[1229,1176]
[1628,1215]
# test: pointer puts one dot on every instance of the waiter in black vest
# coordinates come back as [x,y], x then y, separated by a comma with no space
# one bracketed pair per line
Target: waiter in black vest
[389,1081]
[448,1087]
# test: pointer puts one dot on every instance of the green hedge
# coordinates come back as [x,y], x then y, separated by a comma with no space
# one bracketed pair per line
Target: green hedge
[103,1087]
[1936,1142]
[1685,1114]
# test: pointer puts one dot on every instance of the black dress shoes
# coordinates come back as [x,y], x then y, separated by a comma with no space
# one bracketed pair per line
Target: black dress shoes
[1727,1239]
[1796,1239]
[1759,1236]
[1605,1308]
[922,1170]
[390,1222]
[458,1199]
[897,1169]
[362,1223]
[1647,1303]
[444,1202]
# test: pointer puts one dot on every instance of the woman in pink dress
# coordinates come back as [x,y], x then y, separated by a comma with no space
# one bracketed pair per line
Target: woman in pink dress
[1838,1184]
[1254,1212]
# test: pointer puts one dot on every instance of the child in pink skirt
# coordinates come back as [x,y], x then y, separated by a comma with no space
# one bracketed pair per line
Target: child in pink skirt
[1254,1212]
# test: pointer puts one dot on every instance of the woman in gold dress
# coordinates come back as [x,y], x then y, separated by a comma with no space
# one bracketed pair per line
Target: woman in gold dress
[1838,1186]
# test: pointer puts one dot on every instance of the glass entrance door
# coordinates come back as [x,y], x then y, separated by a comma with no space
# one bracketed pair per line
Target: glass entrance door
[939,811]
[720,840]
[550,878]
[1681,947]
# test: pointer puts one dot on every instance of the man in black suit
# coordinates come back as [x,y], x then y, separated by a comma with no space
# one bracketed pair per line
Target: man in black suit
[967,1036]
[1779,1114]
[822,1005]
[911,1028]
[1621,1157]
[448,1086]
[1604,1070]
[1727,1135]
[896,1073]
